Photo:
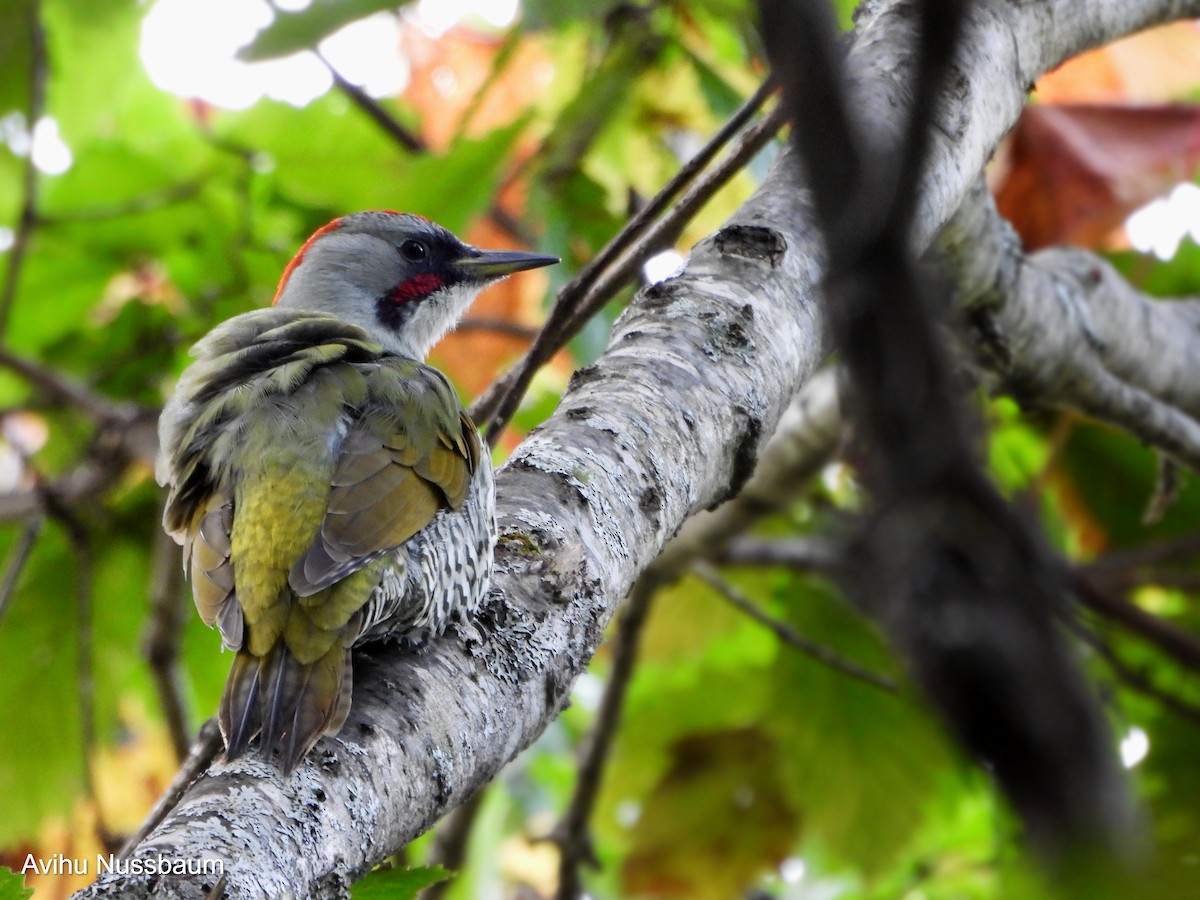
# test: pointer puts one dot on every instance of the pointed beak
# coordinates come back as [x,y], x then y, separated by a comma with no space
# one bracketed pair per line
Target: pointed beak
[489,264]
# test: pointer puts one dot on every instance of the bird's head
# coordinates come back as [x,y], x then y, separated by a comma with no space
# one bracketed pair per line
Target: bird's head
[404,279]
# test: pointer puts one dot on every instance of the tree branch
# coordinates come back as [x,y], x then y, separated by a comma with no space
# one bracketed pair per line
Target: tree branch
[620,259]
[573,834]
[963,586]
[803,554]
[18,556]
[1062,328]
[669,421]
[1138,680]
[162,639]
[62,389]
[23,233]
[826,656]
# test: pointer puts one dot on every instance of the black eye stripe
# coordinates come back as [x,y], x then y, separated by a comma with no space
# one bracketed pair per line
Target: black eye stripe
[413,251]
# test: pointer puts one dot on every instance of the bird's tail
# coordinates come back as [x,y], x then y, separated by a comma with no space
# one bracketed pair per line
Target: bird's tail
[291,703]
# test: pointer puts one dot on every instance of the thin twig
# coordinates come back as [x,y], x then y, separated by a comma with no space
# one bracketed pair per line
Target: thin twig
[29,181]
[1158,553]
[60,388]
[1178,644]
[805,554]
[203,752]
[666,231]
[161,644]
[1123,582]
[80,538]
[132,207]
[818,652]
[1138,681]
[497,326]
[572,833]
[410,141]
[450,843]
[374,110]
[620,260]
[17,558]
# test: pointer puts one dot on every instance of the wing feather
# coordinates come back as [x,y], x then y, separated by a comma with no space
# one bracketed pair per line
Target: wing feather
[398,466]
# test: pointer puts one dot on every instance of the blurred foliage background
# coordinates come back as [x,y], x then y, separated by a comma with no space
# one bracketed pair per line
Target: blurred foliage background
[148,191]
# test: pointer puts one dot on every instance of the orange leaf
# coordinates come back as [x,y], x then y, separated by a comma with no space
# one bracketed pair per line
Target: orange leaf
[1156,66]
[1075,173]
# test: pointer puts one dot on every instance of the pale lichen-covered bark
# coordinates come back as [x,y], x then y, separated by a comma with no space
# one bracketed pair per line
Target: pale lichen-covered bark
[668,422]
[1063,328]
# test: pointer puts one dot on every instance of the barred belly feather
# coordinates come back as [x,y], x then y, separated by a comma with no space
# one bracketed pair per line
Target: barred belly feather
[441,574]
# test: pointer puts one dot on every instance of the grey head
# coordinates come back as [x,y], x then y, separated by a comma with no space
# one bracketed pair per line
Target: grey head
[404,279]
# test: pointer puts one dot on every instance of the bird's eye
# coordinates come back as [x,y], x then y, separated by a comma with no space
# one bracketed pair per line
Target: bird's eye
[413,251]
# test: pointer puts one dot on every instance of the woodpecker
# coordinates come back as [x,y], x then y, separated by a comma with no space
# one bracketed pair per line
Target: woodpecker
[326,485]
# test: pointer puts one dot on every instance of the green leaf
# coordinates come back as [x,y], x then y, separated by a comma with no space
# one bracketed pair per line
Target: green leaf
[59,284]
[878,754]
[1113,476]
[17,18]
[40,694]
[540,14]
[97,76]
[458,185]
[41,774]
[291,32]
[398,884]
[361,168]
[12,885]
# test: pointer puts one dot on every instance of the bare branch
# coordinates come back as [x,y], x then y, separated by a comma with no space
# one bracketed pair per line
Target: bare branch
[1062,328]
[27,220]
[130,436]
[498,326]
[62,389]
[804,554]
[707,359]
[374,110]
[619,261]
[203,752]
[573,834]
[1179,645]
[18,556]
[161,642]
[1141,682]
[826,656]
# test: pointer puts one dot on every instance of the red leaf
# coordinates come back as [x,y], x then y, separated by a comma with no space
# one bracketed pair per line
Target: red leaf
[1075,173]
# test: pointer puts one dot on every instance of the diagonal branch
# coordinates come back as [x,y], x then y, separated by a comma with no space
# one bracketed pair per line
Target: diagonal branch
[1062,327]
[28,218]
[709,359]
[573,834]
[826,656]
[161,643]
[964,588]
[654,226]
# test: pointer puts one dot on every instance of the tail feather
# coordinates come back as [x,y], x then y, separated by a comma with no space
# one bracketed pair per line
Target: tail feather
[292,704]
[276,668]
[240,716]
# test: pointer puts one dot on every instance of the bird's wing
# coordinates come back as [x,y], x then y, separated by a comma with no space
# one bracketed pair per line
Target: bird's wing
[410,453]
[207,555]
[243,365]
